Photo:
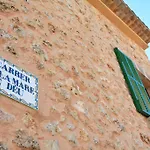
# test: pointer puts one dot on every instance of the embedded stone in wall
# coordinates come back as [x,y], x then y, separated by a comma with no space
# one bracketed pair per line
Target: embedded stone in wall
[58,84]
[70,126]
[64,93]
[100,128]
[145,138]
[72,139]
[6,117]
[10,48]
[52,145]
[23,140]
[92,97]
[7,7]
[19,31]
[75,70]
[96,140]
[28,120]
[102,110]
[51,28]
[80,106]
[84,135]
[37,48]
[31,24]
[62,65]
[70,83]
[3,146]
[120,125]
[40,65]
[74,114]
[5,35]
[62,118]
[53,128]
[51,72]
[47,43]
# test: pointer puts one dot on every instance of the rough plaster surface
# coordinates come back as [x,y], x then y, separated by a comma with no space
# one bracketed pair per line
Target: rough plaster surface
[84,103]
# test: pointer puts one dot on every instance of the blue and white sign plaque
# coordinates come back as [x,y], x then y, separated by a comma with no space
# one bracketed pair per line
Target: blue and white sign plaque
[18,84]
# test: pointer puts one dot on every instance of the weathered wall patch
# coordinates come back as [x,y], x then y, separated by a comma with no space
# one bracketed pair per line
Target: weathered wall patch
[18,84]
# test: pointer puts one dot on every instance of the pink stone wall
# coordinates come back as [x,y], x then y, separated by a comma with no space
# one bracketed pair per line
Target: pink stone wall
[84,103]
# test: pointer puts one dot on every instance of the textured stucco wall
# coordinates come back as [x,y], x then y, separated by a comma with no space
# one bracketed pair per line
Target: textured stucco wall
[84,103]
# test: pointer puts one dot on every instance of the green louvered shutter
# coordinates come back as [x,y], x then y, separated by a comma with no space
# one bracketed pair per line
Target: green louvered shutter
[139,95]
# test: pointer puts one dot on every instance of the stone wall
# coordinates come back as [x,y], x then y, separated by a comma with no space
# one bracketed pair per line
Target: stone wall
[84,103]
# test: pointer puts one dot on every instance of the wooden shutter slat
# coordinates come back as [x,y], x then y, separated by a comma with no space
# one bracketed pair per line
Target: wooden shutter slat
[139,95]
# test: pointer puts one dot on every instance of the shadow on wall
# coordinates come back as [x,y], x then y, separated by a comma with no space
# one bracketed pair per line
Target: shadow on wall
[145,79]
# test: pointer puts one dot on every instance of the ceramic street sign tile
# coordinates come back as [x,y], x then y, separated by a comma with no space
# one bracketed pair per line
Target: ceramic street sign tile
[18,84]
